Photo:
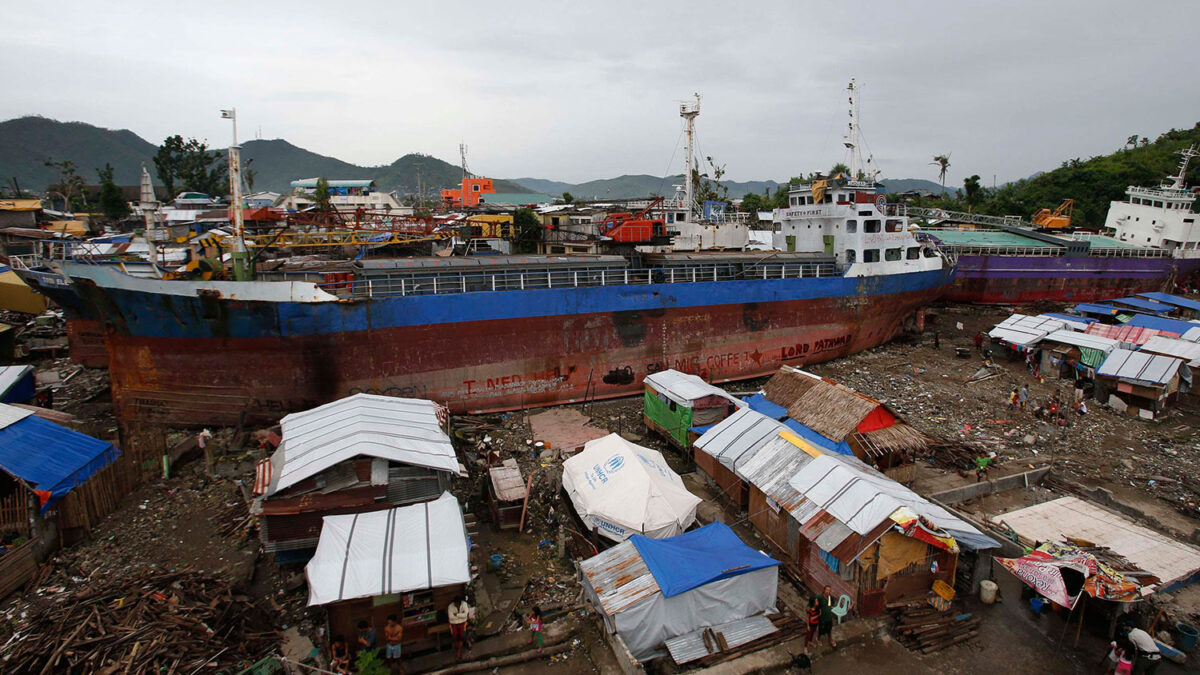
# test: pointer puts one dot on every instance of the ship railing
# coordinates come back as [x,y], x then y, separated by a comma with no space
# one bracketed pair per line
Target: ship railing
[1123,252]
[1037,251]
[444,284]
[24,262]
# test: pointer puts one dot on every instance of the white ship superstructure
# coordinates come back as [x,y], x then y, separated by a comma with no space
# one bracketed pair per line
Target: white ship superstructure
[1161,217]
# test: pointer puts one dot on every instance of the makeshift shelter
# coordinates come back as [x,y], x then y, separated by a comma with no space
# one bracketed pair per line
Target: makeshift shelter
[1071,354]
[50,459]
[1140,383]
[1176,327]
[1072,321]
[1143,305]
[620,489]
[506,494]
[1098,310]
[1185,308]
[361,453]
[650,591]
[1063,573]
[1132,336]
[722,449]
[1168,563]
[1179,348]
[676,402]
[17,384]
[1020,330]
[410,561]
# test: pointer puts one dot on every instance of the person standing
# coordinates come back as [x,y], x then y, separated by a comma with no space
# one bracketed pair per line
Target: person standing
[1023,397]
[393,637]
[366,636]
[1012,399]
[813,620]
[458,612]
[937,340]
[825,626]
[535,627]
[981,467]
[1148,655]
[979,342]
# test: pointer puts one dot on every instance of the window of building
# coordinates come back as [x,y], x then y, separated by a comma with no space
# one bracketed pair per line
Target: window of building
[914,253]
[851,226]
[795,201]
[894,226]
[870,255]
[892,254]
[870,226]
[864,213]
[474,188]
[851,256]
[1158,204]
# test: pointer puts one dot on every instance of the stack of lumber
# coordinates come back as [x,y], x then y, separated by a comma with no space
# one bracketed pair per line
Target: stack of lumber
[789,626]
[920,627]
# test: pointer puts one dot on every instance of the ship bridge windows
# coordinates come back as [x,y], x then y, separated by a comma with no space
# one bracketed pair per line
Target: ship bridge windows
[851,227]
[871,226]
[914,253]
[930,253]
[893,225]
[870,255]
[1158,204]
[892,254]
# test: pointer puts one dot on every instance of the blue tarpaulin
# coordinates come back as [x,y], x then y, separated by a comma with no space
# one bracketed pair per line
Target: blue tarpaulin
[1175,300]
[1092,308]
[817,439]
[699,557]
[759,404]
[16,384]
[1069,317]
[1146,305]
[52,459]
[1159,323]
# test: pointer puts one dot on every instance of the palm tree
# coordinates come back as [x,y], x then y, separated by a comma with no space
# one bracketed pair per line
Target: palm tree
[1131,142]
[943,164]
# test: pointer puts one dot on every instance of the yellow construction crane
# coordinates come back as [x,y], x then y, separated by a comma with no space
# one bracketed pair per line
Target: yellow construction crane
[1058,219]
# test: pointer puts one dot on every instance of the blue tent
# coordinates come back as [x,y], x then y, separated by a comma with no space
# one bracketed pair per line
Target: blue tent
[1159,323]
[699,557]
[51,459]
[1174,300]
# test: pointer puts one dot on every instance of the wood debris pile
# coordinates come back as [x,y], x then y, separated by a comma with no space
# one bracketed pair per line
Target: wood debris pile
[144,622]
[923,628]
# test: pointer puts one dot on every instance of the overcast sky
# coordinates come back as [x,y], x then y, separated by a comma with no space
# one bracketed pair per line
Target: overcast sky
[577,91]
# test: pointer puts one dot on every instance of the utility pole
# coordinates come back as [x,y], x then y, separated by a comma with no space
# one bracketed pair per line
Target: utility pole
[689,111]
[241,267]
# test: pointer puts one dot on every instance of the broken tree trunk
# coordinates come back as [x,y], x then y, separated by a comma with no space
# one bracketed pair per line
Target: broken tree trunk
[496,662]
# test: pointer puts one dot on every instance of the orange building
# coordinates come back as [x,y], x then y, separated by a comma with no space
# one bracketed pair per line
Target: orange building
[470,194]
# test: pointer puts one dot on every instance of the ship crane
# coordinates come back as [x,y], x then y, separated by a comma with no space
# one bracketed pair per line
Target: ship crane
[635,228]
[1058,219]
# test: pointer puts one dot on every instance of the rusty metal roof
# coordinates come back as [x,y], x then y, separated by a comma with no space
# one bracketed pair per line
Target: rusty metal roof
[736,439]
[507,482]
[690,647]
[619,577]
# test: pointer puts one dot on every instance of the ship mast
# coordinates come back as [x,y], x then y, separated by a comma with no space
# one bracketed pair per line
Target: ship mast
[851,140]
[1186,155]
[149,206]
[241,268]
[689,111]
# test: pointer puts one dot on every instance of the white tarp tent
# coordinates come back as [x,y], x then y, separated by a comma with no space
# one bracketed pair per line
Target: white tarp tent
[622,489]
[410,548]
[684,388]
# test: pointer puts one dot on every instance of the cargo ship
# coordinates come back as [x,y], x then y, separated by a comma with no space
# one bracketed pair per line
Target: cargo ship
[1148,244]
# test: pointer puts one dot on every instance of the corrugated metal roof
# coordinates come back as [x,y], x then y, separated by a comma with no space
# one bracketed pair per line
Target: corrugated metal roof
[1032,323]
[1175,300]
[11,415]
[1016,336]
[1132,334]
[736,438]
[1144,304]
[684,388]
[507,481]
[1166,558]
[619,577]
[1072,322]
[1093,308]
[1139,366]
[1192,334]
[1181,349]
[690,647]
[403,430]
[771,467]
[1164,324]
[1070,337]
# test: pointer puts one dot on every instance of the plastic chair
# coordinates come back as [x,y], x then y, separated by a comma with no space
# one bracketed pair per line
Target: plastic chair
[842,608]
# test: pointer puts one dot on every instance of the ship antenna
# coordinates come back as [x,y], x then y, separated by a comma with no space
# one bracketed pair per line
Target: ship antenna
[241,270]
[462,153]
[852,140]
[1186,155]
[689,110]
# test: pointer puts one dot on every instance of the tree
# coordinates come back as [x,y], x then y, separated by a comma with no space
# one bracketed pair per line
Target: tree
[112,202]
[70,184]
[248,175]
[710,190]
[568,198]
[529,230]
[753,203]
[839,168]
[943,164]
[973,191]
[320,195]
[368,663]
[190,165]
[1131,142]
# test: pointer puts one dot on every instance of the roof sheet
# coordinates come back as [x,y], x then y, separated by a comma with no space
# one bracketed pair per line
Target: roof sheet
[684,388]
[1139,366]
[619,578]
[403,430]
[20,205]
[1164,324]
[1191,334]
[507,481]
[1143,303]
[1073,321]
[312,183]
[1057,519]
[699,557]
[1132,334]
[50,458]
[1093,308]
[1022,330]
[735,439]
[1174,300]
[361,555]
[759,403]
[1070,337]
[690,647]
[10,378]
[1182,349]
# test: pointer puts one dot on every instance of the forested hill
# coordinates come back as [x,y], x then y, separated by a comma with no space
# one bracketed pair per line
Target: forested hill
[1095,182]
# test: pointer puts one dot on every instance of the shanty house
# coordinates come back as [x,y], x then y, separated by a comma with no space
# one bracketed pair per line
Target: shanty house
[1139,382]
[1186,350]
[676,402]
[1185,308]
[840,521]
[1070,354]
[620,489]
[721,450]
[506,494]
[1020,332]
[361,453]
[651,591]
[409,561]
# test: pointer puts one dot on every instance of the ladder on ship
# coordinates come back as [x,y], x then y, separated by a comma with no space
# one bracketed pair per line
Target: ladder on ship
[966,218]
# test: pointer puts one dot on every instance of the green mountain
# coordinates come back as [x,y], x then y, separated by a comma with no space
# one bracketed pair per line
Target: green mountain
[26,143]
[1095,182]
[624,187]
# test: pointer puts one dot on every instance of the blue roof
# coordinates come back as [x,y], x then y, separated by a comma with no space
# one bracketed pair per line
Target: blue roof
[1168,299]
[1160,323]
[817,439]
[759,404]
[1147,305]
[699,557]
[52,459]
[1070,317]
[1090,308]
[17,384]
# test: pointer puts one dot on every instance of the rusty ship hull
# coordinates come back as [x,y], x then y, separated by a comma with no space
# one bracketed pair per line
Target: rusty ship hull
[211,358]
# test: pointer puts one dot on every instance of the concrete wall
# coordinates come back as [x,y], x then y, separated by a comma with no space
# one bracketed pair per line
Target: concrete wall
[1016,481]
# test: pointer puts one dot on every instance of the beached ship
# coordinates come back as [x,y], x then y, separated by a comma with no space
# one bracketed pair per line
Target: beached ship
[494,333]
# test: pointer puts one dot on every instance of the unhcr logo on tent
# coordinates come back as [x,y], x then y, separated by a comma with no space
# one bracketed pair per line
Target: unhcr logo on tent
[614,463]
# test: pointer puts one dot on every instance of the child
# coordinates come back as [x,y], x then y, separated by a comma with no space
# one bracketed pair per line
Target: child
[393,637]
[535,625]
[814,619]
[339,655]
[1124,663]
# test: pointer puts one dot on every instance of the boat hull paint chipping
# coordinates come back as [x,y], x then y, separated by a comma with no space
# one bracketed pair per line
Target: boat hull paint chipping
[1008,280]
[209,360]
